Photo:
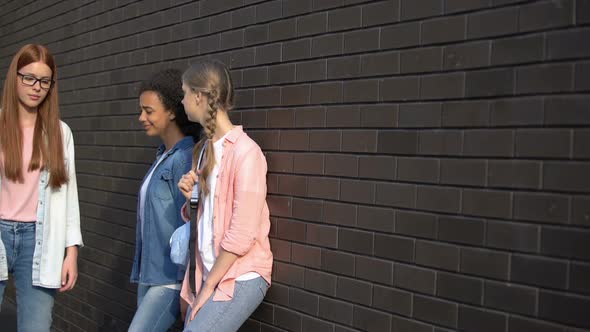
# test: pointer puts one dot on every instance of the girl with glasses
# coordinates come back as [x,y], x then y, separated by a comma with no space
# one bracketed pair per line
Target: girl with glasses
[39,213]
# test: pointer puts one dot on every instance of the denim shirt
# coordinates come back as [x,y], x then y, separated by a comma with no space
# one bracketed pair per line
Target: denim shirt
[58,223]
[152,264]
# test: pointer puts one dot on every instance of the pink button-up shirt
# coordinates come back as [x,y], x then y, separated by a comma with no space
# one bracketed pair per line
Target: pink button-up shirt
[241,220]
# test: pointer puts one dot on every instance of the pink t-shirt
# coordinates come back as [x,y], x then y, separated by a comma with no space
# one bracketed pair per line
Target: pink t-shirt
[18,201]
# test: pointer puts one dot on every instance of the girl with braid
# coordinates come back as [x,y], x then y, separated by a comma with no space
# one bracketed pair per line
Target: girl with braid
[233,260]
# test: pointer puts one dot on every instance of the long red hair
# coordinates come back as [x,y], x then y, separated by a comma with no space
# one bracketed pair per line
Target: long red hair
[48,151]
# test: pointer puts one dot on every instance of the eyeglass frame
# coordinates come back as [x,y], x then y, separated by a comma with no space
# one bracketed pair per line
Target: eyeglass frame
[22,77]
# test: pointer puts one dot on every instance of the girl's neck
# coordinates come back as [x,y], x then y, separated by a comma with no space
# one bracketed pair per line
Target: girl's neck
[27,116]
[223,125]
[172,136]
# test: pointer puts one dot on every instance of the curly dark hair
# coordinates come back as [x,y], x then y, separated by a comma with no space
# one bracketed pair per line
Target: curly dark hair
[168,85]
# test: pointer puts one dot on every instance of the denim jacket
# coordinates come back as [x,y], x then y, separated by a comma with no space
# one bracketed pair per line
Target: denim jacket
[152,264]
[58,223]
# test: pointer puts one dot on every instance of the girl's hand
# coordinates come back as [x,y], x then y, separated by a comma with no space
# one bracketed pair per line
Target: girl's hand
[201,299]
[187,182]
[69,270]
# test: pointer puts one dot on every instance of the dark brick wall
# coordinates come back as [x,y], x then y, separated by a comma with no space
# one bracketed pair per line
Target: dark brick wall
[428,160]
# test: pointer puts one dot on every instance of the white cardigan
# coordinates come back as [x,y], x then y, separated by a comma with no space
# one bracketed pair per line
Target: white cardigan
[58,223]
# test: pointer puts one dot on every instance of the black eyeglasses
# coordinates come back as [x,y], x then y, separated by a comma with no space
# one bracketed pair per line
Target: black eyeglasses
[30,80]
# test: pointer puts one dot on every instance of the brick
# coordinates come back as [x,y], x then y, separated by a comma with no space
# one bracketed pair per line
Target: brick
[374,218]
[371,320]
[361,91]
[394,247]
[564,308]
[295,7]
[337,311]
[326,188]
[467,55]
[381,13]
[421,60]
[344,67]
[362,141]
[581,148]
[492,23]
[522,324]
[354,291]
[320,282]
[440,142]
[395,195]
[512,236]
[510,297]
[435,311]
[278,118]
[381,115]
[544,78]
[325,45]
[294,185]
[288,319]
[296,50]
[303,301]
[415,224]
[312,324]
[342,165]
[438,199]
[459,288]
[543,143]
[383,299]
[579,277]
[311,70]
[566,176]
[328,93]
[337,262]
[375,270]
[321,235]
[567,110]
[283,29]
[419,115]
[380,63]
[443,86]
[452,6]
[356,241]
[357,191]
[295,94]
[484,263]
[463,172]
[437,255]
[308,163]
[492,82]
[312,24]
[580,214]
[517,50]
[411,9]
[399,89]
[344,19]
[310,117]
[541,207]
[487,203]
[475,319]
[294,140]
[461,230]
[400,35]
[417,170]
[538,271]
[517,112]
[414,278]
[377,167]
[289,274]
[268,11]
[443,30]
[546,15]
[568,44]
[493,143]
[291,230]
[361,40]
[465,114]
[569,243]
[397,142]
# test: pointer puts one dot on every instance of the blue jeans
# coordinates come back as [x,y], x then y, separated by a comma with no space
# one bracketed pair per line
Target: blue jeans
[158,308]
[34,304]
[227,316]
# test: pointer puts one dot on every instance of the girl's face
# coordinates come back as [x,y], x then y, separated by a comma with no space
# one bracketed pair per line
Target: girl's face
[33,84]
[154,117]
[195,105]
